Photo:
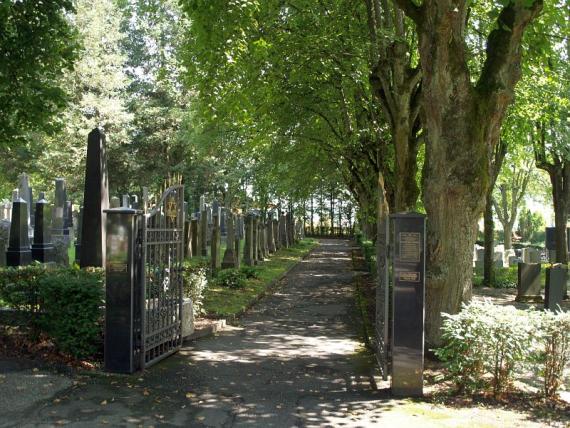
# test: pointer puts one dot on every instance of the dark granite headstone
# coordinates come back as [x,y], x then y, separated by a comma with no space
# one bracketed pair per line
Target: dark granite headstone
[42,248]
[229,255]
[19,253]
[78,241]
[248,247]
[95,201]
[408,297]
[556,284]
[58,215]
[68,218]
[528,284]
[194,236]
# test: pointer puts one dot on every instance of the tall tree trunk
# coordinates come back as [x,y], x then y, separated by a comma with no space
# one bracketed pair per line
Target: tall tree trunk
[508,229]
[312,215]
[560,197]
[489,224]
[462,123]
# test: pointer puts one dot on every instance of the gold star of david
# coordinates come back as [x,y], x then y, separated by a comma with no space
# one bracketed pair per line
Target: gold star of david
[171,208]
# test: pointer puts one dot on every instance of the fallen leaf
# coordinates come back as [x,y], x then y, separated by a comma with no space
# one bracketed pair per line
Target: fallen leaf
[104,403]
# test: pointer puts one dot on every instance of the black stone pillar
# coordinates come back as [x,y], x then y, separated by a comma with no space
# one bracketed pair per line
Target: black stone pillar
[408,267]
[95,201]
[124,292]
[19,253]
[42,248]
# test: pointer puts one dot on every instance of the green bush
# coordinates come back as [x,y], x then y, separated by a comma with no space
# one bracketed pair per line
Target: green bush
[70,301]
[249,272]
[504,278]
[552,351]
[485,339]
[195,277]
[19,286]
[231,278]
[486,345]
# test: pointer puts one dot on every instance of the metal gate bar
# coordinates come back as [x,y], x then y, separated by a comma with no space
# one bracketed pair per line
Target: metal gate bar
[163,241]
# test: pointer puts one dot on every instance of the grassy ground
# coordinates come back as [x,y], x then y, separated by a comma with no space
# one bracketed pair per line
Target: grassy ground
[224,302]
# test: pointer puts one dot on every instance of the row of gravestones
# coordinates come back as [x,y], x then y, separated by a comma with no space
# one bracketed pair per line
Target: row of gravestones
[507,258]
[36,230]
[263,234]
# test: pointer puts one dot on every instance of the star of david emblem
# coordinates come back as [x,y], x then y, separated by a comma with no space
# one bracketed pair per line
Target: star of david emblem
[171,208]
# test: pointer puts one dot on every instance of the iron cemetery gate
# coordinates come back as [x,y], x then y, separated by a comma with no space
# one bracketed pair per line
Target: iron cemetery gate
[145,250]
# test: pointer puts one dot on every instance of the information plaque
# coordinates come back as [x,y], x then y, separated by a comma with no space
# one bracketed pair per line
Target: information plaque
[408,268]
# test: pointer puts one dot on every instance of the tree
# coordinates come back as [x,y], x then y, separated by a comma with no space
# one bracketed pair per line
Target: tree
[510,191]
[38,44]
[461,116]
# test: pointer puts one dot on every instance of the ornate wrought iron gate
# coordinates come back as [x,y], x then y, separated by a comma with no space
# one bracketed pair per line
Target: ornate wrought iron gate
[162,255]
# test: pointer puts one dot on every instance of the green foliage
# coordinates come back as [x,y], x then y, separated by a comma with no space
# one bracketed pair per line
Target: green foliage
[70,309]
[504,278]
[249,272]
[195,276]
[19,286]
[485,345]
[231,278]
[37,45]
[552,352]
[530,224]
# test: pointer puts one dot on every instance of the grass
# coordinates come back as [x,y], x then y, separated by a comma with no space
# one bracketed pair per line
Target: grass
[223,302]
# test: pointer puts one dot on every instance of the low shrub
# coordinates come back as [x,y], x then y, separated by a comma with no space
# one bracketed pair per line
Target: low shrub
[19,286]
[552,351]
[195,277]
[231,278]
[70,301]
[485,345]
[249,272]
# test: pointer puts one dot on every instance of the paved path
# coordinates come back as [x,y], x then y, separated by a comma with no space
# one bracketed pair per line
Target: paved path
[295,361]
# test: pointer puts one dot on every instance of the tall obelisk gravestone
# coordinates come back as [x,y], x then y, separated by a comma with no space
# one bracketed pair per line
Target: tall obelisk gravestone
[95,201]
[19,253]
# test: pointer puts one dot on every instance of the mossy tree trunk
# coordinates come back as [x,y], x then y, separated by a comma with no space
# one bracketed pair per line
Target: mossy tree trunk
[462,122]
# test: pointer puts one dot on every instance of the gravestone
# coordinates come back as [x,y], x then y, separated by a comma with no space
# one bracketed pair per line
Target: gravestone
[216,241]
[408,297]
[498,259]
[135,202]
[42,248]
[126,201]
[115,202]
[25,192]
[194,236]
[4,239]
[19,253]
[276,234]
[209,216]
[556,286]
[248,258]
[78,241]
[58,213]
[95,201]
[283,231]
[528,284]
[270,236]
[229,254]
[187,238]
[530,255]
[204,233]
[237,240]
[224,222]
